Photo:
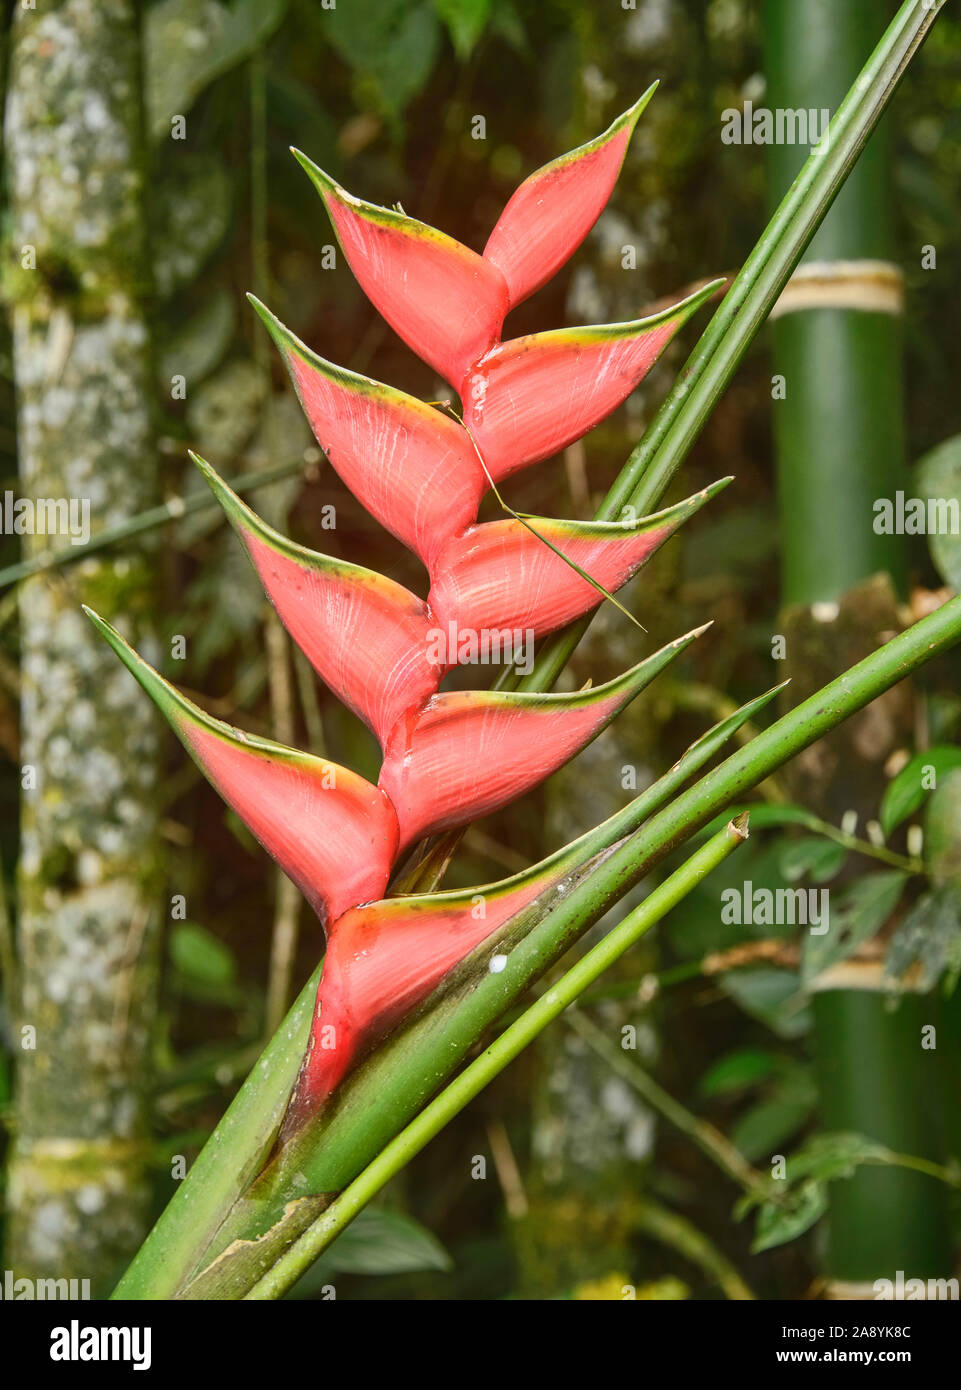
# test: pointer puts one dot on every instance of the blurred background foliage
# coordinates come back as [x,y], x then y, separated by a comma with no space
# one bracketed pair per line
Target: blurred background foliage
[587,1189]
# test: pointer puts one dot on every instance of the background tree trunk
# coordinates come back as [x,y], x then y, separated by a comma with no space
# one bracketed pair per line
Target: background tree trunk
[88,921]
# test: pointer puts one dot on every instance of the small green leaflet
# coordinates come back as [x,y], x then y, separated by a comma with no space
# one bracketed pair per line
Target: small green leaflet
[907,791]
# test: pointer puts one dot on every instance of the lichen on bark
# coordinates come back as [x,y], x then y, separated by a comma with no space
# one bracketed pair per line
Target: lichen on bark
[76,282]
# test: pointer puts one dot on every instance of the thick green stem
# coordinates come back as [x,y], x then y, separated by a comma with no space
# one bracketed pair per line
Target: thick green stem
[472,1080]
[228,1162]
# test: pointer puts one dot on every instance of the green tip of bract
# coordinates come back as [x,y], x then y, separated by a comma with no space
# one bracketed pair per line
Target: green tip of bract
[695,301]
[321,180]
[160,691]
[240,516]
[633,113]
[282,336]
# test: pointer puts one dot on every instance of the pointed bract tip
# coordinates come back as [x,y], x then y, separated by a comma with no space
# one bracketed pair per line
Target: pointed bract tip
[321,180]
[740,825]
[686,638]
[278,331]
[708,493]
[633,113]
[209,474]
[685,308]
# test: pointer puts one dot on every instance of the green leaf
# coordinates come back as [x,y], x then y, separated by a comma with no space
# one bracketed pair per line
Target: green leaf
[929,938]
[192,209]
[905,793]
[765,1126]
[828,1157]
[813,857]
[187,43]
[391,46]
[795,1213]
[202,957]
[507,24]
[376,1242]
[197,346]
[738,1070]
[942,829]
[465,20]
[939,475]
[857,915]
[771,995]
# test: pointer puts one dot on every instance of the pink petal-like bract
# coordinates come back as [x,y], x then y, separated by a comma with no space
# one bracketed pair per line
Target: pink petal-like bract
[444,300]
[554,209]
[365,635]
[501,575]
[384,958]
[411,467]
[531,397]
[467,753]
[329,830]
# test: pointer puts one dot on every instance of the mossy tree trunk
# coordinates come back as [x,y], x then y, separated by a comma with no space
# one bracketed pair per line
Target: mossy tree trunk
[88,917]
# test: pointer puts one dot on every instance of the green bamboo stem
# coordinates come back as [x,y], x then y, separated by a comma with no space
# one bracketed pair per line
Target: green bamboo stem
[840,445]
[472,1080]
[839,430]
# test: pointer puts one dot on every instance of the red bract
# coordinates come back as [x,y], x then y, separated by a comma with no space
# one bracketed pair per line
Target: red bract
[445,301]
[413,468]
[448,757]
[433,758]
[330,830]
[386,957]
[366,636]
[506,575]
[552,212]
[529,398]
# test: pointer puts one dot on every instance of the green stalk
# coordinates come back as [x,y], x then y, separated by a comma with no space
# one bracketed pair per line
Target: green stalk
[228,1162]
[492,1061]
[671,1229]
[840,445]
[710,367]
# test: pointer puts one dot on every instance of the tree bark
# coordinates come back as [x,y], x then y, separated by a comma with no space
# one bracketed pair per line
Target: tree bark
[88,918]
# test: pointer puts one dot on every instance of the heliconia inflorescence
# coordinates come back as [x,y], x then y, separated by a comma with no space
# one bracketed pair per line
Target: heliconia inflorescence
[448,757]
